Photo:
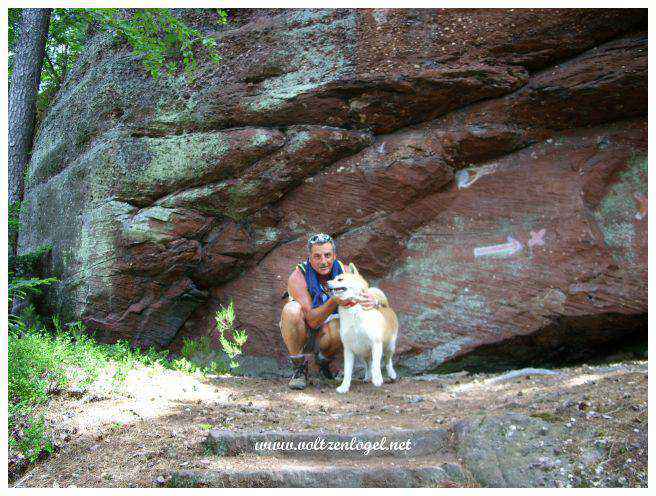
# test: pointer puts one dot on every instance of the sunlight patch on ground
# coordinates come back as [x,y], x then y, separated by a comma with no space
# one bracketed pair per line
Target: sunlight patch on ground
[147,396]
[583,379]
[305,399]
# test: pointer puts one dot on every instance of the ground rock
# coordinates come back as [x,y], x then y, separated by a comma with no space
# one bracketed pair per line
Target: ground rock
[510,451]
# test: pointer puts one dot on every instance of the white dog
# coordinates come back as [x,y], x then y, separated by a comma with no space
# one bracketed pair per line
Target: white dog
[369,334]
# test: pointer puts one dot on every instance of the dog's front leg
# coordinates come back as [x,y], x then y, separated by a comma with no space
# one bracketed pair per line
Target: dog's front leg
[376,356]
[390,368]
[349,357]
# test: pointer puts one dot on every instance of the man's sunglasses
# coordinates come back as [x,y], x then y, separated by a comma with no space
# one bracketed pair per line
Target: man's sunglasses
[320,238]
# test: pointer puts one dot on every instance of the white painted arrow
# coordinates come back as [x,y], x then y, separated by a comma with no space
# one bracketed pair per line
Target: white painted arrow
[505,249]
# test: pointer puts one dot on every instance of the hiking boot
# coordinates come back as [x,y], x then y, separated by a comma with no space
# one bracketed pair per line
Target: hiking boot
[324,366]
[300,374]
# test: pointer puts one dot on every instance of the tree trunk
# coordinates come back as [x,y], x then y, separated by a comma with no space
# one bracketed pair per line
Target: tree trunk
[28,61]
[64,67]
[25,79]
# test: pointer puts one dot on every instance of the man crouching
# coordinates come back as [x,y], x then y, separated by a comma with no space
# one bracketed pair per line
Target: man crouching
[309,320]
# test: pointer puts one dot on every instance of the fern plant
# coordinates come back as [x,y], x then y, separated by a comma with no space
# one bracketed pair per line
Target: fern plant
[198,355]
[21,288]
[225,319]
[22,280]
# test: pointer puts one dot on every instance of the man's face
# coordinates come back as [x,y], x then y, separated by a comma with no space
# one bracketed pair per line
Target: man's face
[322,258]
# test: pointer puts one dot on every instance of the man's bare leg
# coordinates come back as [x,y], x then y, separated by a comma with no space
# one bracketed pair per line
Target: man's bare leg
[330,343]
[294,334]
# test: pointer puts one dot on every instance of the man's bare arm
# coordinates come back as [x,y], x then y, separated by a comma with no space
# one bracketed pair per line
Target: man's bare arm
[314,317]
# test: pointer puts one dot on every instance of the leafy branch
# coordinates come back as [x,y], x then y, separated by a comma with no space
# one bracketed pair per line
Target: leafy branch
[225,318]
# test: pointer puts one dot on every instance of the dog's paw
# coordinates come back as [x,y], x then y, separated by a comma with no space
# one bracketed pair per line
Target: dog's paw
[377,381]
[392,376]
[342,389]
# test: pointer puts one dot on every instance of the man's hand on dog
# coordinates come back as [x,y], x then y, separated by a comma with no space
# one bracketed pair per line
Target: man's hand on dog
[366,300]
[341,301]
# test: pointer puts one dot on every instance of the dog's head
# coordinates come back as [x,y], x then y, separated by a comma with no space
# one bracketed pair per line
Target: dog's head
[348,285]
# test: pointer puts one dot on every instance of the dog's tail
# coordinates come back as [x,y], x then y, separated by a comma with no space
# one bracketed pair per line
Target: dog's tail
[380,296]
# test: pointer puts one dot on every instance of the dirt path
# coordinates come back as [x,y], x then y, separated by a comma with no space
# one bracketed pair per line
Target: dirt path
[159,421]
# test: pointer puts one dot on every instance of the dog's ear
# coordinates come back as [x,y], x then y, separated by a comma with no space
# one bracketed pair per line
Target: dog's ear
[353,270]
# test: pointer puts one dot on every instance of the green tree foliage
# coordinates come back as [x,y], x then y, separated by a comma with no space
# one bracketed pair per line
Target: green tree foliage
[13,19]
[166,44]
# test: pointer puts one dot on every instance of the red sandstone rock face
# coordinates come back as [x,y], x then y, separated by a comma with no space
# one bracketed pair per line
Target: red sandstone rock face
[485,168]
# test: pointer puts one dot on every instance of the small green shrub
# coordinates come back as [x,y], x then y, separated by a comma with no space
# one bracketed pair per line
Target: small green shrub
[32,441]
[183,365]
[225,318]
[193,347]
[198,355]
